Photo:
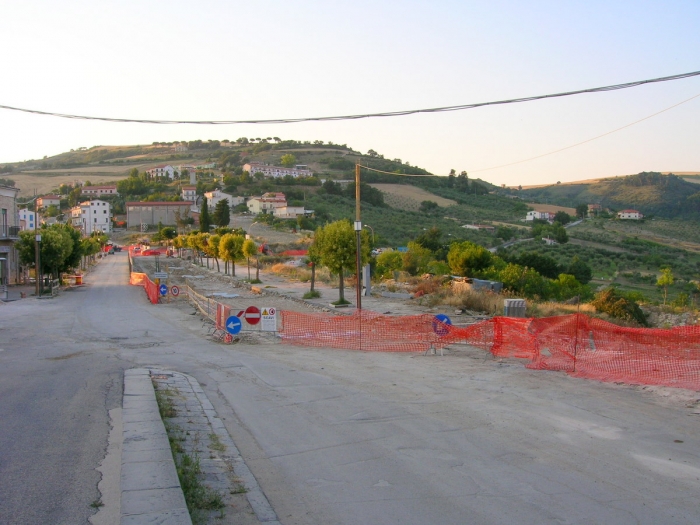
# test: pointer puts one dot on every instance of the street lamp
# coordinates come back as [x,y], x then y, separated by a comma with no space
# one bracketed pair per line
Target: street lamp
[368,226]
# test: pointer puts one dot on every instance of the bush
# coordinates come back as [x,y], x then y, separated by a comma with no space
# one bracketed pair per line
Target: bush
[615,305]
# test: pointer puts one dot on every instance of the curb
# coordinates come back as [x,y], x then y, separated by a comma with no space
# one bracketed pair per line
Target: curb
[150,488]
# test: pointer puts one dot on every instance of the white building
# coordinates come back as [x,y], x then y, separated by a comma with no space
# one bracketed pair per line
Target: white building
[99,191]
[542,215]
[630,214]
[92,216]
[289,212]
[27,219]
[266,203]
[214,197]
[164,170]
[48,200]
[277,171]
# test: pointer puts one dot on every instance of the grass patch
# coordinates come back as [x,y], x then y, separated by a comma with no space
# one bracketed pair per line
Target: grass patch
[340,302]
[199,498]
[312,295]
[216,444]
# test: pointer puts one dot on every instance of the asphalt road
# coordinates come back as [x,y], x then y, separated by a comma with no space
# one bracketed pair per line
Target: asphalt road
[338,436]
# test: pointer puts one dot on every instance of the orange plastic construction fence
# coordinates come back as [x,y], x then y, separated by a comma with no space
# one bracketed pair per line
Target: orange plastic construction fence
[141,279]
[577,344]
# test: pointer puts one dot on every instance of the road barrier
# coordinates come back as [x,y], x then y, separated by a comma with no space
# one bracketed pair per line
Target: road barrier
[576,344]
[141,279]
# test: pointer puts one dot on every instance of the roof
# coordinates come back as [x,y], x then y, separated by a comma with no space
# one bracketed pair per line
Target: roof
[160,203]
[189,187]
[160,166]
[108,186]
[628,211]
[51,197]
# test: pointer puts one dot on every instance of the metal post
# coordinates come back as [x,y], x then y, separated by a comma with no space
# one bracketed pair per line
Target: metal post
[358,231]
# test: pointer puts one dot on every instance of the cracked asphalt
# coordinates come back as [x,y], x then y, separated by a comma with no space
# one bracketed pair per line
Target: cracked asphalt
[337,436]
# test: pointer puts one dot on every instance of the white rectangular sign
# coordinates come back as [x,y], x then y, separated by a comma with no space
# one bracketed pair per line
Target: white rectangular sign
[268,319]
[160,275]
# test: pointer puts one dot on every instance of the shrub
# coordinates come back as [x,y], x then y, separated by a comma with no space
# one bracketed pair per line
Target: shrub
[615,305]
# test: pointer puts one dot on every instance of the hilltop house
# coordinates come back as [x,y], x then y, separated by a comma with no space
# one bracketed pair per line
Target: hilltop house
[630,214]
[214,197]
[594,209]
[48,200]
[276,172]
[164,170]
[541,215]
[266,203]
[99,191]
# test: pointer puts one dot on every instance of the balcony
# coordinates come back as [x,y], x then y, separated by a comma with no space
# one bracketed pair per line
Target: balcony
[9,232]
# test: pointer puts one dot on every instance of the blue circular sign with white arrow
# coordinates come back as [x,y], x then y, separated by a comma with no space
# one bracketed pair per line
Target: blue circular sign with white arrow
[233,325]
[163,289]
[440,323]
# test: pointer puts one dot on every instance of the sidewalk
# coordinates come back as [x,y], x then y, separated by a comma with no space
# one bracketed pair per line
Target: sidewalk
[150,489]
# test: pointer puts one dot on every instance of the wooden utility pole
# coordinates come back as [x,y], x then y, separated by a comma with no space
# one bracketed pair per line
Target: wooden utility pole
[358,231]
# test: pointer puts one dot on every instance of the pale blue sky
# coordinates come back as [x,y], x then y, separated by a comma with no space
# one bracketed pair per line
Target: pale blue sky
[228,60]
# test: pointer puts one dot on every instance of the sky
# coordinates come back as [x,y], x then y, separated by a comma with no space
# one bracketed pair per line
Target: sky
[232,60]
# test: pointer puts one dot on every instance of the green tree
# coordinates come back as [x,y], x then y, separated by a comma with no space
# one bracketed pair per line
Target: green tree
[582,211]
[204,219]
[213,242]
[231,250]
[222,213]
[580,270]
[466,258]
[314,256]
[249,249]
[417,259]
[665,280]
[288,160]
[430,239]
[389,262]
[562,217]
[337,245]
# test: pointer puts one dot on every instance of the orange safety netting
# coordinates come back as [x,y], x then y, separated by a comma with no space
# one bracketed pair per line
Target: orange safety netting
[576,344]
[141,279]
[363,330]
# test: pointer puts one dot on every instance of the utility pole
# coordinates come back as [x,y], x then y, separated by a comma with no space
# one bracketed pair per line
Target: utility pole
[37,250]
[358,231]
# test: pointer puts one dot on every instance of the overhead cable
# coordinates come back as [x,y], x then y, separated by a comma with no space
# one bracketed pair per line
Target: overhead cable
[359,116]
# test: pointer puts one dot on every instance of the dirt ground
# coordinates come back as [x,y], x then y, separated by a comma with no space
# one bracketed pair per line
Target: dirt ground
[409,197]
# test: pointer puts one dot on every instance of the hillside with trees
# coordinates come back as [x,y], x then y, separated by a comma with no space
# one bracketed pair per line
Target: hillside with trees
[652,193]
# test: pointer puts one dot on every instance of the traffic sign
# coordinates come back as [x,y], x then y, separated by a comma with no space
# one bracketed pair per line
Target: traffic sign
[439,324]
[163,289]
[233,325]
[252,315]
[269,319]
[175,291]
[160,275]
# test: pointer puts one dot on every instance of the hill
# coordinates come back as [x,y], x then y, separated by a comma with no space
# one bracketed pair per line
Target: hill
[652,193]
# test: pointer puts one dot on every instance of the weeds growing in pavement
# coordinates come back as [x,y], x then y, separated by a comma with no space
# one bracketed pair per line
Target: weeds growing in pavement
[199,497]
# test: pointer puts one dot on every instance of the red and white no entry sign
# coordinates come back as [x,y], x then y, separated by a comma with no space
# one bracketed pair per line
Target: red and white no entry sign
[252,315]
[175,291]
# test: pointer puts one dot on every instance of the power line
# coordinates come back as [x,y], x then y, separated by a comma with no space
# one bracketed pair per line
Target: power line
[551,152]
[587,140]
[360,116]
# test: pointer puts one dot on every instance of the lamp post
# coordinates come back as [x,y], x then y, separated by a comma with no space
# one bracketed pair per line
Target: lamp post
[368,226]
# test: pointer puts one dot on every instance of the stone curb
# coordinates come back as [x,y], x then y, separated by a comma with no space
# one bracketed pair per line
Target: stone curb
[256,497]
[150,488]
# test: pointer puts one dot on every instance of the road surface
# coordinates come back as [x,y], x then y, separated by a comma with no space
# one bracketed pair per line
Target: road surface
[338,436]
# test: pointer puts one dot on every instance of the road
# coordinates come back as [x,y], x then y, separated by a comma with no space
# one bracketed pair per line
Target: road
[338,436]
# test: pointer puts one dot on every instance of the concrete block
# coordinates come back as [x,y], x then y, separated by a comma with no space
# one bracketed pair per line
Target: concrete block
[149,501]
[149,475]
[171,517]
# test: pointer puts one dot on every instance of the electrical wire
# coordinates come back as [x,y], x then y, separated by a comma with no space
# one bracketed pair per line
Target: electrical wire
[359,116]
[587,140]
[551,152]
